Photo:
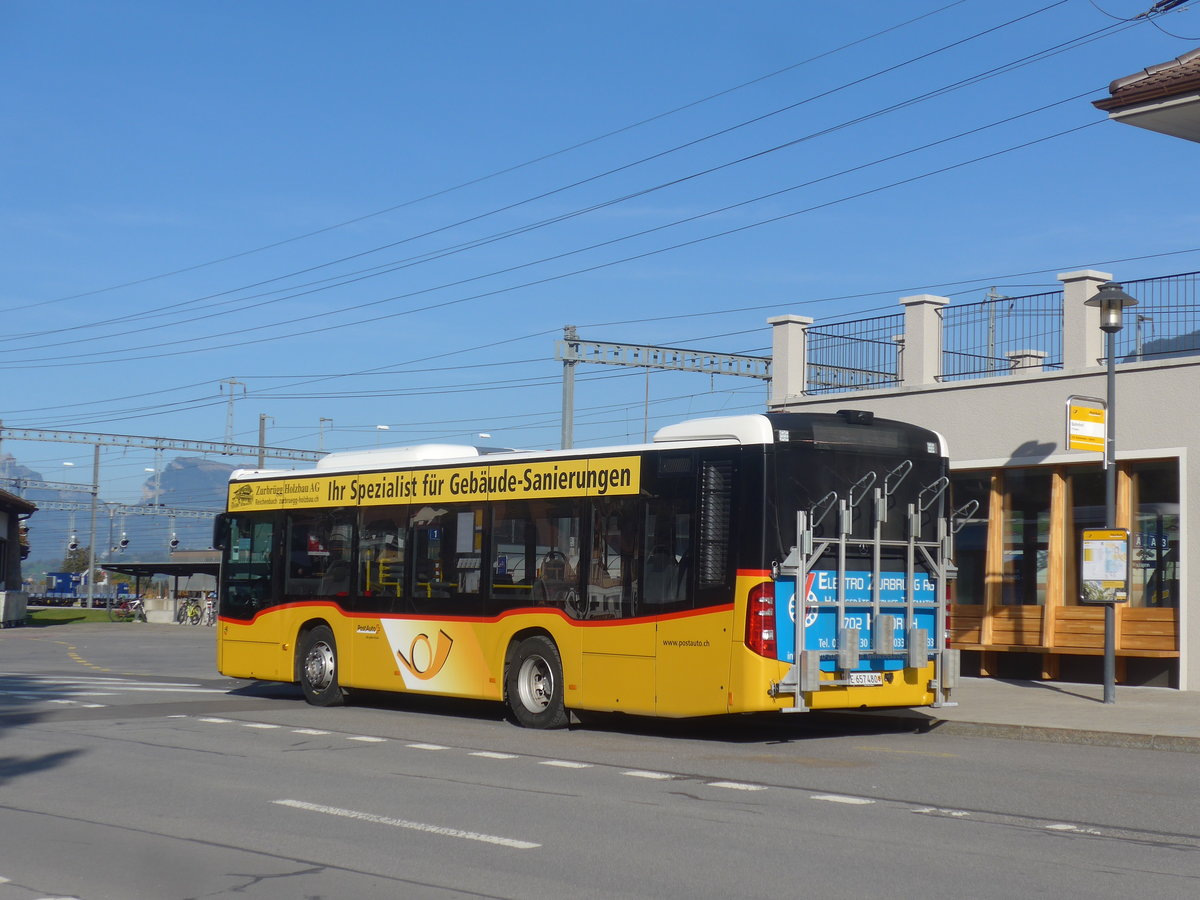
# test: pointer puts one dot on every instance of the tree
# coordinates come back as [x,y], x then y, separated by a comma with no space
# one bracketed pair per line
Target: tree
[76,560]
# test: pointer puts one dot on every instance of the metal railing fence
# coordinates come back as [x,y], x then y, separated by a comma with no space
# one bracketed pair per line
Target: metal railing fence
[999,334]
[857,355]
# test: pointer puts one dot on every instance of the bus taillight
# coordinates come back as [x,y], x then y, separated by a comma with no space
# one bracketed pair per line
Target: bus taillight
[760,620]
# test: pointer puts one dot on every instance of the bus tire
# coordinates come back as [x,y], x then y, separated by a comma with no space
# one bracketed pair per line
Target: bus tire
[317,666]
[533,684]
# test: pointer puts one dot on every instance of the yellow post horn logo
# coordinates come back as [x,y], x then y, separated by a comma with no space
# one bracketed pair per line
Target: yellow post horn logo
[424,660]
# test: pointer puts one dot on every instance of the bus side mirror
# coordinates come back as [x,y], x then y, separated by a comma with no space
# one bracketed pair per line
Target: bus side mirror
[220,531]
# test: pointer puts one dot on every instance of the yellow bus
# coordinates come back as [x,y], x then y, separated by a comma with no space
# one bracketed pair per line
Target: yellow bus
[657,579]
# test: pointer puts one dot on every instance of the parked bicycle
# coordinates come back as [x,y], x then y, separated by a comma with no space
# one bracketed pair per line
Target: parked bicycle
[210,613]
[128,609]
[189,612]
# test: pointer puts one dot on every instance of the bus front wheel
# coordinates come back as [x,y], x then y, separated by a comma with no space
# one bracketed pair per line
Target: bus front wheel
[533,684]
[318,668]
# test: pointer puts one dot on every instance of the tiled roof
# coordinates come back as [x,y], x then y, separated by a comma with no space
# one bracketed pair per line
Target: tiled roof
[1176,77]
[13,503]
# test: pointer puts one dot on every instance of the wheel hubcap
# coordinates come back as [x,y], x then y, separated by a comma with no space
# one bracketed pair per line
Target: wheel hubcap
[535,684]
[319,666]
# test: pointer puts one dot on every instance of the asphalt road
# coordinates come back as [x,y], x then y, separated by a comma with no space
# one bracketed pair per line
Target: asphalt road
[129,769]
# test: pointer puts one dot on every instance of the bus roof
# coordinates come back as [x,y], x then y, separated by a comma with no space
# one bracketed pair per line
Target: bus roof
[754,428]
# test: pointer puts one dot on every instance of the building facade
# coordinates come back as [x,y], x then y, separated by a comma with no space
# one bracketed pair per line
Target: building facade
[996,379]
[13,512]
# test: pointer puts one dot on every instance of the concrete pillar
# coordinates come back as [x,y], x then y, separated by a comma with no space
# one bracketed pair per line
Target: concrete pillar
[1027,360]
[921,360]
[789,359]
[1082,339]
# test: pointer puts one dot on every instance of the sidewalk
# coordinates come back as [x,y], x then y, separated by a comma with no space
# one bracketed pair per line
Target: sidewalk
[1146,717]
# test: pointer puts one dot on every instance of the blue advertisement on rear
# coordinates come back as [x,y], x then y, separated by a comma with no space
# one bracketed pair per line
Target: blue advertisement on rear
[820,614]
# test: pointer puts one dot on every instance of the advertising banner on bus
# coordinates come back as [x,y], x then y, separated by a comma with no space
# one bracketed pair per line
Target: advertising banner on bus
[821,620]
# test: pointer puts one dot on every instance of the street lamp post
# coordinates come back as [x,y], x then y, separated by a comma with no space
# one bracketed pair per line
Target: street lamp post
[1111,301]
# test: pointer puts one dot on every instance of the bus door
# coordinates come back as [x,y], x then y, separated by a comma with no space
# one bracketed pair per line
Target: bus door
[249,588]
[687,583]
[617,644]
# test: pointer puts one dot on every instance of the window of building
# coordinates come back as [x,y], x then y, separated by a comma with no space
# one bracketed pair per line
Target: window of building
[1154,533]
[1026,536]
[970,544]
[1084,510]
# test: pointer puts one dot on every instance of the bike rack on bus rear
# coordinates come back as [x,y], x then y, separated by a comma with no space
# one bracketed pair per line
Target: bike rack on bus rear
[804,676]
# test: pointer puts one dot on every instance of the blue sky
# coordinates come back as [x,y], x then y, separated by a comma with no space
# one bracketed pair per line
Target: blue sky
[385,213]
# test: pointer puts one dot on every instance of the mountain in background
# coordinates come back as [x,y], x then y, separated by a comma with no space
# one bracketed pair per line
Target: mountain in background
[189,483]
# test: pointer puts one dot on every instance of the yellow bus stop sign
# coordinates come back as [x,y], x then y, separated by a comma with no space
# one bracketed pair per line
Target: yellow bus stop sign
[1085,427]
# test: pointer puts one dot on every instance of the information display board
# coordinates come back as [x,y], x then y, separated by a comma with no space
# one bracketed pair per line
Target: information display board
[1104,568]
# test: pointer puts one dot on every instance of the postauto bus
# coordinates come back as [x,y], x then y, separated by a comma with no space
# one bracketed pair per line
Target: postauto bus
[675,578]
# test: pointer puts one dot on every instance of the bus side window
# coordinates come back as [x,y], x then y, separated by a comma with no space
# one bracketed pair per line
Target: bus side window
[447,560]
[320,554]
[612,580]
[381,558]
[666,571]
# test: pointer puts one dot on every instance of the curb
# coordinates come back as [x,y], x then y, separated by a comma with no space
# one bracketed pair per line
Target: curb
[1172,742]
[1046,734]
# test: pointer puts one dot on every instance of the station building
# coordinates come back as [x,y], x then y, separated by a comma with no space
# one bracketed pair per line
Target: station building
[996,378]
[14,511]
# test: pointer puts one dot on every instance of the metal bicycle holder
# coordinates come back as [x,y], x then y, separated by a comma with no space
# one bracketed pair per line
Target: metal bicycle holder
[933,555]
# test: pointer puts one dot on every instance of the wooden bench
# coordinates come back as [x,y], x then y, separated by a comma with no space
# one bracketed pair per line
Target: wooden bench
[1056,631]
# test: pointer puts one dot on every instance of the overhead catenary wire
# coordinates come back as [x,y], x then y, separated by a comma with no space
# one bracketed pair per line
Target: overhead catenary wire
[439,254]
[127,354]
[504,171]
[776,304]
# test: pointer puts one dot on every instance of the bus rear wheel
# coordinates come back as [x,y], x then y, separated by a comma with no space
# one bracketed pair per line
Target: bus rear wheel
[533,684]
[317,666]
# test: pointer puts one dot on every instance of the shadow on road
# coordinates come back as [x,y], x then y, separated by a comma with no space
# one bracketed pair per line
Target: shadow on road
[14,766]
[754,728]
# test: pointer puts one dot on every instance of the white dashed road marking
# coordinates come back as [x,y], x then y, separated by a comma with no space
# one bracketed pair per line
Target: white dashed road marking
[737,785]
[411,826]
[841,798]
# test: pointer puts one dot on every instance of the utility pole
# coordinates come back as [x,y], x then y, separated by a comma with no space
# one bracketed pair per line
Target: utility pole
[992,296]
[91,591]
[233,383]
[570,353]
[321,432]
[262,439]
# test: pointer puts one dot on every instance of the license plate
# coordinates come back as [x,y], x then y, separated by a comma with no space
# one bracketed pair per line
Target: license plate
[873,678]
